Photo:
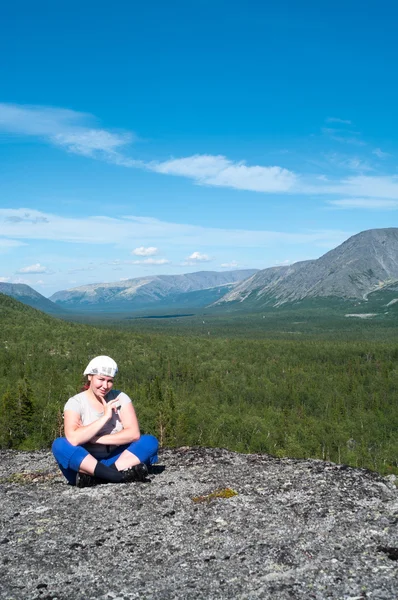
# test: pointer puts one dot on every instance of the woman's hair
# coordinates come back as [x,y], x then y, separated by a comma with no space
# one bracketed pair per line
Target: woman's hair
[86,385]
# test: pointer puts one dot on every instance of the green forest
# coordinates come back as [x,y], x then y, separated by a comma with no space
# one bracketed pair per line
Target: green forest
[292,391]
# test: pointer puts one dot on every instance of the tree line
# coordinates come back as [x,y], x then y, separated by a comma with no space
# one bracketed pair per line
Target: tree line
[332,400]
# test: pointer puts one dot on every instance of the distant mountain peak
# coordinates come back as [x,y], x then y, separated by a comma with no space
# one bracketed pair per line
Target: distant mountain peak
[27,295]
[365,262]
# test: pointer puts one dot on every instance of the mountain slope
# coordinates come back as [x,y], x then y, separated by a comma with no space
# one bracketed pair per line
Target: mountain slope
[362,264]
[191,289]
[27,295]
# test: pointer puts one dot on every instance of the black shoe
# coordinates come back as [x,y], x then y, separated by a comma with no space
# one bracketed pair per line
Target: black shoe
[85,480]
[137,473]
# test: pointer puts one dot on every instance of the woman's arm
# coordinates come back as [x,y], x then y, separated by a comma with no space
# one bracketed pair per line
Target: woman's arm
[78,434]
[129,433]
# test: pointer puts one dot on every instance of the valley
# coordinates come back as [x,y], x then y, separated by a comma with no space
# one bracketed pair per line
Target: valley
[296,361]
[284,383]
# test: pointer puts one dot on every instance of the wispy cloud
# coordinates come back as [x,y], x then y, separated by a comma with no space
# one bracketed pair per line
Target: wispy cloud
[145,261]
[206,169]
[74,132]
[351,163]
[231,265]
[67,129]
[343,136]
[361,186]
[337,120]
[357,186]
[26,217]
[142,251]
[120,231]
[37,268]
[379,152]
[7,243]
[148,261]
[78,133]
[365,203]
[90,267]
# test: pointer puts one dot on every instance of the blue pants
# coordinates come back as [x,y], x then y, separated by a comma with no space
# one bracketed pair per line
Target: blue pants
[69,458]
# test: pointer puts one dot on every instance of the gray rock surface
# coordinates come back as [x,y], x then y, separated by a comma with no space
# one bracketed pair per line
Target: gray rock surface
[296,529]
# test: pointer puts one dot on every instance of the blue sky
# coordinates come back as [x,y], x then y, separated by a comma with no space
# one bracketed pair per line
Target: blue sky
[146,138]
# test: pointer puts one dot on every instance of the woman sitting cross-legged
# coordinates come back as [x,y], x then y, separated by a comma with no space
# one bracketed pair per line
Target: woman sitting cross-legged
[102,442]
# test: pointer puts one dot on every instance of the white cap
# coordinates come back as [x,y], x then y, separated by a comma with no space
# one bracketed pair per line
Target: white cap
[101,365]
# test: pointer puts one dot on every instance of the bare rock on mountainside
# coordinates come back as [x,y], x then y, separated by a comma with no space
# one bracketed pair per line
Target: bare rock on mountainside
[362,264]
[296,529]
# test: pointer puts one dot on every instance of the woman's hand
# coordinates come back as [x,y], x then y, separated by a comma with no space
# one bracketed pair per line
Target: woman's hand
[109,407]
[77,434]
[128,434]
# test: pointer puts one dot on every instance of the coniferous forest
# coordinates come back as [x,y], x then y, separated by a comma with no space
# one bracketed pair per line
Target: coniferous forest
[330,397]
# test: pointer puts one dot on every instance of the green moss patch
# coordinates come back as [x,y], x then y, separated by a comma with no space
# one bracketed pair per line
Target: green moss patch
[221,493]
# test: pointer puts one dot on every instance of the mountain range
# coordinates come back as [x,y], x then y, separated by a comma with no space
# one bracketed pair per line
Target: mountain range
[363,264]
[27,295]
[191,289]
[362,268]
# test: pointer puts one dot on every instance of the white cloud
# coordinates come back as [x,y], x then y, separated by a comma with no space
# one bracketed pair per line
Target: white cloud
[90,267]
[232,265]
[358,186]
[89,141]
[120,231]
[6,243]
[352,163]
[337,120]
[365,203]
[343,136]
[73,132]
[221,172]
[68,129]
[78,133]
[199,166]
[366,186]
[37,268]
[148,261]
[4,279]
[378,152]
[198,257]
[357,164]
[142,251]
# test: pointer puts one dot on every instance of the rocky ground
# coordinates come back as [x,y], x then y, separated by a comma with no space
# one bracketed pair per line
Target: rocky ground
[295,529]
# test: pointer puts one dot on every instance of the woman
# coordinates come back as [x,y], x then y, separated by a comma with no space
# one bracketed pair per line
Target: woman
[102,442]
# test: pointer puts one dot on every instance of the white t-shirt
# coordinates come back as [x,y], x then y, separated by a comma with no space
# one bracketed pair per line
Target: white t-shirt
[87,413]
